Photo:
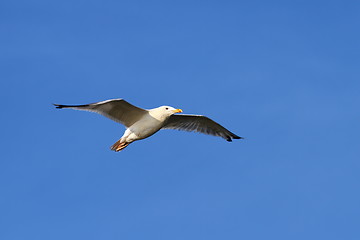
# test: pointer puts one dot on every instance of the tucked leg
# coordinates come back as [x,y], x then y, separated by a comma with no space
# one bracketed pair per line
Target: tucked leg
[119,145]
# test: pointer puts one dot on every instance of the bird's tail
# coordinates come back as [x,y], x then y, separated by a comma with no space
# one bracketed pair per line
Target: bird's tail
[118,146]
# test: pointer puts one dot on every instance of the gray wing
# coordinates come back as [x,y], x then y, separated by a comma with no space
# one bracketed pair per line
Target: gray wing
[118,110]
[198,123]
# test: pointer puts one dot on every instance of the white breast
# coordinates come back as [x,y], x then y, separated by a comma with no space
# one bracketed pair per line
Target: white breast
[143,128]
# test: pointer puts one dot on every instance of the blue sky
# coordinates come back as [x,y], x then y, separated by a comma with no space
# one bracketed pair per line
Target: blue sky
[283,74]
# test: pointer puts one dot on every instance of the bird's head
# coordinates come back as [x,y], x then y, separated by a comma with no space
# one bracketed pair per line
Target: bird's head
[167,110]
[164,112]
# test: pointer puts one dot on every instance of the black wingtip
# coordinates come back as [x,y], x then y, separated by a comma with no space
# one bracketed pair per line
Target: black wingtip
[234,136]
[237,137]
[231,137]
[58,106]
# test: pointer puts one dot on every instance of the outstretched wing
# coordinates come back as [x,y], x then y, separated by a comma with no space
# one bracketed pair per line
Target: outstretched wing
[198,123]
[118,110]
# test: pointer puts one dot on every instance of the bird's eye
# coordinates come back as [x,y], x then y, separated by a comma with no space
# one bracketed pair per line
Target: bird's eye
[167,108]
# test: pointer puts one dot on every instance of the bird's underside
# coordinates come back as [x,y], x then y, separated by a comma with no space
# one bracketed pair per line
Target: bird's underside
[141,123]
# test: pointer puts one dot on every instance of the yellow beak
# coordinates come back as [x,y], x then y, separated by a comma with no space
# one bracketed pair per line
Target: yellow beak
[177,111]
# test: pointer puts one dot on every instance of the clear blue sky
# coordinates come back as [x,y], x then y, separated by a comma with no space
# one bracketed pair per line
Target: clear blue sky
[283,74]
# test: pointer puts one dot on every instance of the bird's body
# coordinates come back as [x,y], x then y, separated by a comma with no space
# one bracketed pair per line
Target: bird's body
[141,123]
[145,127]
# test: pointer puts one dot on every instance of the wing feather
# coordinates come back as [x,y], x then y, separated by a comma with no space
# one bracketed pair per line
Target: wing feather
[117,110]
[199,123]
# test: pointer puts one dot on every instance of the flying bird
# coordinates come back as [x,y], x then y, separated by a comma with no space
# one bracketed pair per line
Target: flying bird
[141,123]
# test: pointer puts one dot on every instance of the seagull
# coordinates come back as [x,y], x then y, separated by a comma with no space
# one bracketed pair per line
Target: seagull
[141,123]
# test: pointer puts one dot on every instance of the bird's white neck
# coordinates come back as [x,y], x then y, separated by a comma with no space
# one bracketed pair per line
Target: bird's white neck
[158,114]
